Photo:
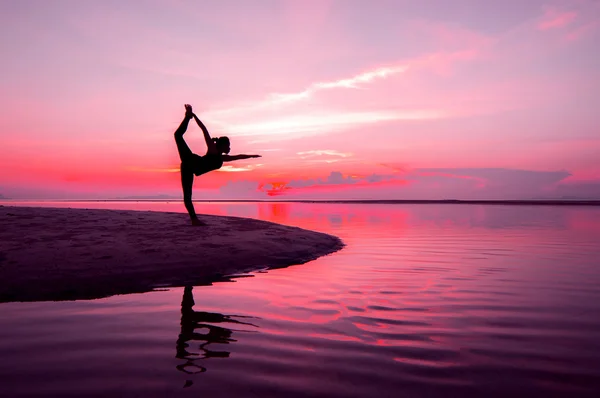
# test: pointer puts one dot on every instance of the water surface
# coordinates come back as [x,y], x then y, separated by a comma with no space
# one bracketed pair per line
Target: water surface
[425,300]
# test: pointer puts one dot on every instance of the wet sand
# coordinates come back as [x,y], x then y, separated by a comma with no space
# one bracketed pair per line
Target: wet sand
[66,254]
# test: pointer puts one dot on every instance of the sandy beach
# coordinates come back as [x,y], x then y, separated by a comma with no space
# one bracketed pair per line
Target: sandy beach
[65,254]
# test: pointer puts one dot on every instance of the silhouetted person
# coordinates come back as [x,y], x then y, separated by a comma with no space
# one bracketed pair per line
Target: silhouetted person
[216,154]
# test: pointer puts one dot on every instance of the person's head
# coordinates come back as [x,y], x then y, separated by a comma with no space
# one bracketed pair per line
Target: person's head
[222,143]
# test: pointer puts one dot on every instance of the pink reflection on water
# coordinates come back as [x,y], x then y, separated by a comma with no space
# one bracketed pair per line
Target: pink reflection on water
[418,288]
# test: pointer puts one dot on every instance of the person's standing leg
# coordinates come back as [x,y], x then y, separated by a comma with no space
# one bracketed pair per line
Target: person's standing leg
[187,181]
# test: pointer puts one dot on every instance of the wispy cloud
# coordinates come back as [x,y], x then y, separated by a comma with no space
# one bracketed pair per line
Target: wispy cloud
[277,99]
[352,82]
[294,114]
[323,160]
[319,152]
[235,169]
[315,123]
[554,19]
[583,30]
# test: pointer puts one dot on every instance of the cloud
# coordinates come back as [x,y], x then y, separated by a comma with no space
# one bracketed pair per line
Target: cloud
[323,160]
[489,183]
[578,190]
[276,99]
[427,183]
[319,152]
[500,175]
[321,122]
[335,178]
[365,77]
[583,30]
[554,19]
[300,113]
[239,168]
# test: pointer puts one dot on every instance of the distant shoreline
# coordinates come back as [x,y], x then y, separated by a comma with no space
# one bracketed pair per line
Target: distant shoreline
[529,202]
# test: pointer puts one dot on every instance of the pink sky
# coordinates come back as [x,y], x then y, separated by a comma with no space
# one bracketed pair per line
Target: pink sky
[351,99]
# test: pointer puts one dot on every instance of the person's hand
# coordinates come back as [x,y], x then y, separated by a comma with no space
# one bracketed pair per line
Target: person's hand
[188,110]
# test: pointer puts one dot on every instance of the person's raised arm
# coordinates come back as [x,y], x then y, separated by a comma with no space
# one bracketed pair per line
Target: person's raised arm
[227,158]
[209,142]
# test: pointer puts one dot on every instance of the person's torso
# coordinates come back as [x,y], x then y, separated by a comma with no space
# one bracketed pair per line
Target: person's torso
[206,163]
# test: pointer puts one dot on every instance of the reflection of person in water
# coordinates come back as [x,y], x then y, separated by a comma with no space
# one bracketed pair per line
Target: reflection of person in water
[191,322]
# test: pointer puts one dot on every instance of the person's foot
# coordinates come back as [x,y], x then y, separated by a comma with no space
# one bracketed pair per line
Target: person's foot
[188,110]
[197,222]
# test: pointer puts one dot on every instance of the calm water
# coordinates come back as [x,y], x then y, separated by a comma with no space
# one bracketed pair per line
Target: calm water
[425,300]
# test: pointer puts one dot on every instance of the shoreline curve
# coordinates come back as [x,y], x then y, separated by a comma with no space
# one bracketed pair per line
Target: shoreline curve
[55,254]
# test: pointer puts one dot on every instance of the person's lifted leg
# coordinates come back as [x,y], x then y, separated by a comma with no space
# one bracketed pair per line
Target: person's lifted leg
[185,153]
